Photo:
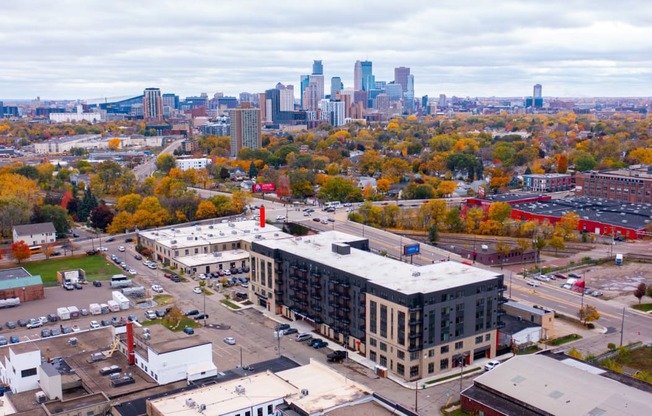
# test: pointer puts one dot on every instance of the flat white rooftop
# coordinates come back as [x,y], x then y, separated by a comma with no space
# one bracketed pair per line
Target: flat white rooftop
[565,387]
[217,233]
[325,388]
[383,271]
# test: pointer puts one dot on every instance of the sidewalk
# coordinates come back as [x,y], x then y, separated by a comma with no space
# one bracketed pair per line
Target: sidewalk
[446,377]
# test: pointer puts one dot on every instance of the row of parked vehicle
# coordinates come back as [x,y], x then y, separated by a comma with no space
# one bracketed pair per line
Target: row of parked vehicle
[222,273]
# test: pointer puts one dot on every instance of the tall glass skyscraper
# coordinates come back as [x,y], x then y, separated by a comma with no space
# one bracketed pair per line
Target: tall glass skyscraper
[368,79]
[317,68]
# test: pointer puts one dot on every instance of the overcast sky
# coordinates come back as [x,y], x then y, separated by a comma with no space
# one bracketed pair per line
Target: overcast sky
[84,49]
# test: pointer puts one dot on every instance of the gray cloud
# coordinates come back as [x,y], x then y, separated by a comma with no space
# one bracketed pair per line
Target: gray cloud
[92,49]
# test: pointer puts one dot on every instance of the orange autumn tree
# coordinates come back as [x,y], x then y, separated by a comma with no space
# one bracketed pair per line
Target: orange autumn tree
[20,251]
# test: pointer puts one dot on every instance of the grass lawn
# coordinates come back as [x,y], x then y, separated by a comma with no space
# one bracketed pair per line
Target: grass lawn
[640,359]
[96,267]
[564,339]
[163,299]
[230,304]
[645,307]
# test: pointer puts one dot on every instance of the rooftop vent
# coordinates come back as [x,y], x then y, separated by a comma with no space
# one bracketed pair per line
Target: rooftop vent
[173,242]
[416,274]
[190,402]
[240,389]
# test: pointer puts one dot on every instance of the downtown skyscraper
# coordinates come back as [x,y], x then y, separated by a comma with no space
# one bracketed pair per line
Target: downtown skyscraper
[152,104]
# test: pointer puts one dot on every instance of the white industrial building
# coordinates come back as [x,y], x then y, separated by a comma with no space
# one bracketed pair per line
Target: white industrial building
[20,369]
[209,247]
[312,389]
[79,115]
[198,163]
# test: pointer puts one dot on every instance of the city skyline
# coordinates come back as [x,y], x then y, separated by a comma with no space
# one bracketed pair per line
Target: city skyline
[74,50]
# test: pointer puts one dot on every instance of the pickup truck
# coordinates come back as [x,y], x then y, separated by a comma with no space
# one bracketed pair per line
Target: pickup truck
[336,356]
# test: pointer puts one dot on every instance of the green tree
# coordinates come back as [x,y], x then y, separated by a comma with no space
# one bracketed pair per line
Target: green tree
[585,161]
[165,162]
[54,214]
[336,189]
[88,203]
[433,234]
[253,172]
[503,248]
[557,242]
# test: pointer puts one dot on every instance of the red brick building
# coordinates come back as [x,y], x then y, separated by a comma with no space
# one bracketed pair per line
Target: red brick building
[632,185]
[18,283]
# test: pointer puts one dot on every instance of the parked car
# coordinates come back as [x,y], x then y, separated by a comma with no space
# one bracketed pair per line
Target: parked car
[75,328]
[160,313]
[312,342]
[175,278]
[229,340]
[150,315]
[132,318]
[138,257]
[10,324]
[241,295]
[55,332]
[53,317]
[97,283]
[3,341]
[65,329]
[491,365]
[14,339]
[189,331]
[191,312]
[121,248]
[55,253]
[319,344]
[129,240]
[46,333]
[94,325]
[303,337]
[336,356]
[23,322]
[596,293]
[200,317]
[532,283]
[157,288]
[78,286]
[110,239]
[105,322]
[33,323]
[290,331]
[198,290]
[574,275]
[282,327]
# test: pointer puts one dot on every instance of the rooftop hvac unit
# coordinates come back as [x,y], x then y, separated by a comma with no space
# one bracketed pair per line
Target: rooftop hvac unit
[147,336]
[40,397]
[202,407]
[221,233]
[240,389]
[234,232]
[190,238]
[173,242]
[304,392]
[247,231]
[217,254]
[258,236]
[190,402]
[197,228]
[231,224]
[210,227]
[416,274]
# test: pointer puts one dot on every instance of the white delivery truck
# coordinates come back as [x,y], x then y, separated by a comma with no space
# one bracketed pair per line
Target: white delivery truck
[63,313]
[113,306]
[74,312]
[95,309]
[121,299]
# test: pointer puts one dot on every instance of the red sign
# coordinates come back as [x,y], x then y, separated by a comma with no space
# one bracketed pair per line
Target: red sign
[263,187]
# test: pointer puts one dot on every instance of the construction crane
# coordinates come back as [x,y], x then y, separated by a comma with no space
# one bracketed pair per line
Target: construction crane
[115,345]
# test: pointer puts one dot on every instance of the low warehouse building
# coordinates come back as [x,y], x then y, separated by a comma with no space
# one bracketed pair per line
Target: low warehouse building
[18,283]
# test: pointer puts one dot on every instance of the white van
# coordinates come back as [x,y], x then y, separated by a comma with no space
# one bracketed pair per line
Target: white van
[303,337]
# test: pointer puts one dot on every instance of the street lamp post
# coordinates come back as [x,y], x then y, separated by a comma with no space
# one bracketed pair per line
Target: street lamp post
[462,361]
[510,285]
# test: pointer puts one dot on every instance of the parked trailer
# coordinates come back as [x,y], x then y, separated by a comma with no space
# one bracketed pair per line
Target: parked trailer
[121,300]
[74,312]
[137,291]
[113,306]
[9,302]
[63,313]
[95,309]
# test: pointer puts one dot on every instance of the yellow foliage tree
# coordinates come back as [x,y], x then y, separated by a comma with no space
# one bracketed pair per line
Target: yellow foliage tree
[121,222]
[128,203]
[446,188]
[114,144]
[383,185]
[206,209]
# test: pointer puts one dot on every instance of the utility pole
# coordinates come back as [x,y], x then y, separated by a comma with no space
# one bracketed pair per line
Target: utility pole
[622,327]
[416,396]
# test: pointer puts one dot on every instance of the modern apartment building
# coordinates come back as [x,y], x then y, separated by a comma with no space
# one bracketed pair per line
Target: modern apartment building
[548,182]
[152,104]
[246,129]
[632,185]
[416,321]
